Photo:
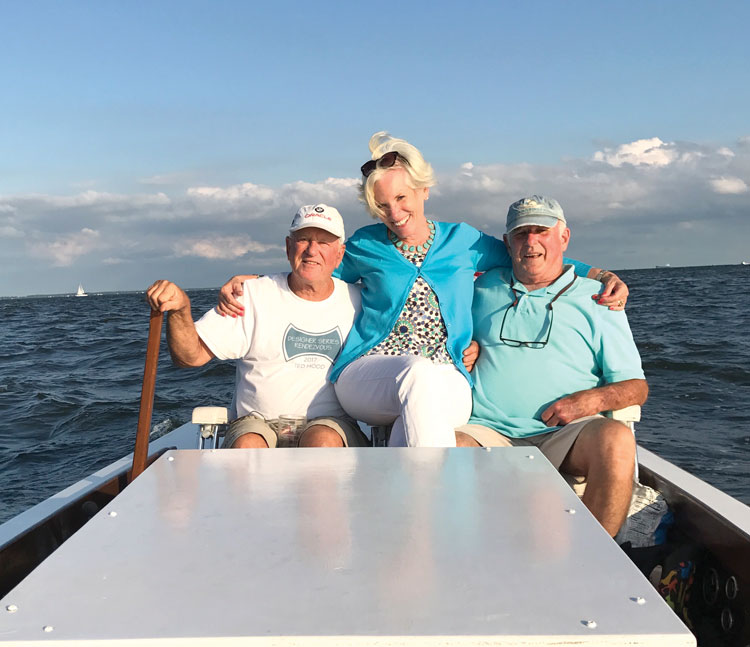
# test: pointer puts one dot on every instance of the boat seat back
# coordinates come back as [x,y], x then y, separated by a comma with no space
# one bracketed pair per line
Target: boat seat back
[212,424]
[627,415]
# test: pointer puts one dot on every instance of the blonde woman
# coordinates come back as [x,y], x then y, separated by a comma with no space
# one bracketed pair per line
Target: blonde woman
[402,361]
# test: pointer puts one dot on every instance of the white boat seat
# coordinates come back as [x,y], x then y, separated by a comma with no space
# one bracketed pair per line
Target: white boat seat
[212,423]
[627,415]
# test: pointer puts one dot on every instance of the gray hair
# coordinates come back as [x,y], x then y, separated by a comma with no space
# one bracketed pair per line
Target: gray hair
[419,173]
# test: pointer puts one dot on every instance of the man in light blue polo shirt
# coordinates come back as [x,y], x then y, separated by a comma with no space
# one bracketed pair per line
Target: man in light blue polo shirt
[552,360]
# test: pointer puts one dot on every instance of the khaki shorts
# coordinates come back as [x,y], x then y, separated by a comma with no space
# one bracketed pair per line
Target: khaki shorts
[555,445]
[252,424]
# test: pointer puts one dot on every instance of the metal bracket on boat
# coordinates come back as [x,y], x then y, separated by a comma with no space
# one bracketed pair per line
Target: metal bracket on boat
[627,416]
[212,421]
[380,435]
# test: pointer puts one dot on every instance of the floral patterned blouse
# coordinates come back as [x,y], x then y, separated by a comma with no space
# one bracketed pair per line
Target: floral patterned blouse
[419,329]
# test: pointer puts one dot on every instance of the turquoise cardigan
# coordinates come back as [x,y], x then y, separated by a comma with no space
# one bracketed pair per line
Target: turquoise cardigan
[457,252]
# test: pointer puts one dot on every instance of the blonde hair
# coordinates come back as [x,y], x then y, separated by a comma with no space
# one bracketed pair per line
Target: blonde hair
[419,173]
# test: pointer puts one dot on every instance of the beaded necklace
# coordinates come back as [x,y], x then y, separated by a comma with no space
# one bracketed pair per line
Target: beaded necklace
[421,249]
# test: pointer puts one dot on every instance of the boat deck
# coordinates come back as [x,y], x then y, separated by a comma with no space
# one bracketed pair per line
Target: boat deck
[324,547]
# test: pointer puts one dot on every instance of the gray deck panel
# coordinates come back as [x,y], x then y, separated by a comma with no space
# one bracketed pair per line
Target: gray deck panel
[359,546]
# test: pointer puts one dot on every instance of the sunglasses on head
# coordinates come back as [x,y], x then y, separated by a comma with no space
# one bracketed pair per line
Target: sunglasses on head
[386,161]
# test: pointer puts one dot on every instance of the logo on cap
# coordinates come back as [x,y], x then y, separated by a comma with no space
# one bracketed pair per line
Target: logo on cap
[319,210]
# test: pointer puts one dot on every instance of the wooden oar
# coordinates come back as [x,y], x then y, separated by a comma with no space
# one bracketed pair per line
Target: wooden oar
[140,454]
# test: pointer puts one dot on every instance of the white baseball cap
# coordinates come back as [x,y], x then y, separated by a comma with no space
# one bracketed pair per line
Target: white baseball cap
[321,216]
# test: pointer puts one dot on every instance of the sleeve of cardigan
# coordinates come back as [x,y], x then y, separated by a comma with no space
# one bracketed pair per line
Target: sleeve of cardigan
[348,269]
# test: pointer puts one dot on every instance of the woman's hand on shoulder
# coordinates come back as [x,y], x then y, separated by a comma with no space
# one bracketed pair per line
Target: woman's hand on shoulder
[615,292]
[229,304]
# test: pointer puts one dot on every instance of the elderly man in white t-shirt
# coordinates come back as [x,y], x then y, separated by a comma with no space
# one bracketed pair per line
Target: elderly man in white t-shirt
[293,327]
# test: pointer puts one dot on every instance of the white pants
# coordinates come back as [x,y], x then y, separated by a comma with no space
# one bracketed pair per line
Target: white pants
[424,401]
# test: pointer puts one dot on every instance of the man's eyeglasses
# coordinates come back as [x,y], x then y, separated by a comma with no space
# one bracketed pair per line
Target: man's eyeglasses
[530,344]
[388,160]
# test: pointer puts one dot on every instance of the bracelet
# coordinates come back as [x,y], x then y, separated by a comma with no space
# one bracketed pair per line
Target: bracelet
[600,275]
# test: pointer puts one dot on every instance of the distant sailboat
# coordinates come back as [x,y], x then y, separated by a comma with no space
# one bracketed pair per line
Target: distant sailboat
[80,292]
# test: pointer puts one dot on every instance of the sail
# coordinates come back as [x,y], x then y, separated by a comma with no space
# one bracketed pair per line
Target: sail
[81,292]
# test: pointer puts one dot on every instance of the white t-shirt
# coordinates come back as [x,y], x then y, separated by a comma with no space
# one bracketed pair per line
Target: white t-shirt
[285,346]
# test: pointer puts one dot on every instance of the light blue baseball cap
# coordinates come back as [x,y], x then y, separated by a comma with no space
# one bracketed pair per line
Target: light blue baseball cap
[534,210]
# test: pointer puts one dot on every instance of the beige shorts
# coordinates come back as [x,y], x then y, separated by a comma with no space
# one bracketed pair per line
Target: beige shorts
[348,429]
[555,445]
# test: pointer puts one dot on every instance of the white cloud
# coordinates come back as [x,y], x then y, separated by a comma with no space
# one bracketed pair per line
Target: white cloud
[257,199]
[6,231]
[64,250]
[9,222]
[466,168]
[689,157]
[729,185]
[643,152]
[489,179]
[223,247]
[331,191]
[628,195]
[87,208]
[97,199]
[239,192]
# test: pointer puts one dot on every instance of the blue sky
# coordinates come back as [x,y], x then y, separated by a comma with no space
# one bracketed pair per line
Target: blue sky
[144,140]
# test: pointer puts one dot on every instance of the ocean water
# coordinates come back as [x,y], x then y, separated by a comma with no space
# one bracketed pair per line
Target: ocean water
[71,373]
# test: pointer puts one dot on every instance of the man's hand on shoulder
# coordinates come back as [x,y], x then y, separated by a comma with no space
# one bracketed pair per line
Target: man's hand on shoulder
[164,296]
[229,304]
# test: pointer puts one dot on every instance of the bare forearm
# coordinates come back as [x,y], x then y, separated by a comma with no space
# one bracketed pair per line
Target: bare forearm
[592,401]
[621,394]
[614,293]
[185,346]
